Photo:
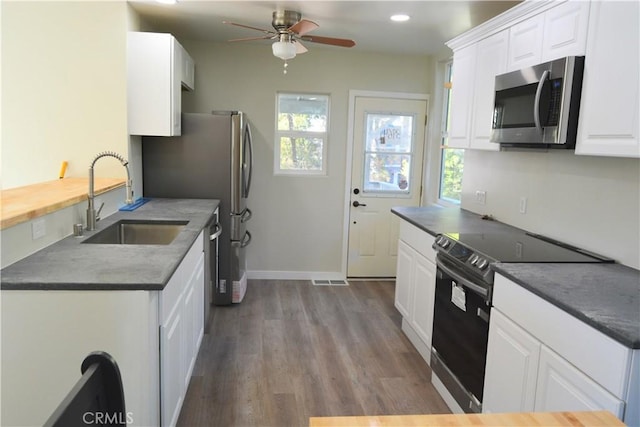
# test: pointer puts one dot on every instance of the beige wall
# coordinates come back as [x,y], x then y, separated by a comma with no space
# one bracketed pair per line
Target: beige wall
[590,202]
[63,88]
[297,224]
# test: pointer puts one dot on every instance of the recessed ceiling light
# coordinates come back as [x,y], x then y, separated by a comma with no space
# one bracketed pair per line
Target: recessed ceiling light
[401,17]
[167,1]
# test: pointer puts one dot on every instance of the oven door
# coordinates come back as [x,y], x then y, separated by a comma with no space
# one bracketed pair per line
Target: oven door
[460,334]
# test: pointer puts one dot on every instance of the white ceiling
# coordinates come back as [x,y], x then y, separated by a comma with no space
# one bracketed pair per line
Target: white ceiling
[367,22]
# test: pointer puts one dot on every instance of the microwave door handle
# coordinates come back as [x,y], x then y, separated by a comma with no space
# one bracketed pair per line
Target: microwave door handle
[536,104]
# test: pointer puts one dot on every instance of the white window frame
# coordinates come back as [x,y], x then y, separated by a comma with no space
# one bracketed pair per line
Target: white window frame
[278,134]
[446,98]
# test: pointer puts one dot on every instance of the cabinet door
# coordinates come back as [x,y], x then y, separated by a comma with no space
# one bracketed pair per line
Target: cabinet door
[491,61]
[462,90]
[525,43]
[404,279]
[512,367]
[609,108]
[562,387]
[176,87]
[424,282]
[171,362]
[565,30]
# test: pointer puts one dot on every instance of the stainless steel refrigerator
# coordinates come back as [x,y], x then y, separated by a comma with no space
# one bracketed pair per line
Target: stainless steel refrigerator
[211,160]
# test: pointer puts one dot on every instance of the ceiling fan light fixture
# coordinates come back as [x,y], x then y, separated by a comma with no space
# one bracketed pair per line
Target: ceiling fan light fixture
[284,50]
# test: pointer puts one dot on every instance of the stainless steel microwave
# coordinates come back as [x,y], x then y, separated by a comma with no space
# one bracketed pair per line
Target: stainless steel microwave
[537,107]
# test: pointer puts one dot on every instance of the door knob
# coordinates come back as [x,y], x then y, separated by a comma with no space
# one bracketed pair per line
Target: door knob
[357,203]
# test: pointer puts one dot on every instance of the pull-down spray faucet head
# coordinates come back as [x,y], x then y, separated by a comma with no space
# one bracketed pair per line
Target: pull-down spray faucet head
[91,213]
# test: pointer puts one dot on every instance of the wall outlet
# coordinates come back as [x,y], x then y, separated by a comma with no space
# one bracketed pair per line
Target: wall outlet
[523,205]
[481,197]
[38,229]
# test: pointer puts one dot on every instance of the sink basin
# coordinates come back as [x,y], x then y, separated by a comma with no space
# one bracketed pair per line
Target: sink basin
[138,232]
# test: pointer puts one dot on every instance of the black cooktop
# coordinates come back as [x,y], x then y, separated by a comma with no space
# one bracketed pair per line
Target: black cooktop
[519,246]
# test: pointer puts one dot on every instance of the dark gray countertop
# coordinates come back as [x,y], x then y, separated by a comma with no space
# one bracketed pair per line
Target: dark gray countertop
[436,219]
[605,296]
[71,265]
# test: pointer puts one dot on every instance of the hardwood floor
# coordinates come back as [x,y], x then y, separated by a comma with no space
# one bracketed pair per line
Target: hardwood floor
[292,350]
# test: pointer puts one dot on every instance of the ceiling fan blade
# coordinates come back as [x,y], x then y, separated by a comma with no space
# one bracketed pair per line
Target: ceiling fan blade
[249,27]
[300,48]
[329,40]
[244,39]
[303,27]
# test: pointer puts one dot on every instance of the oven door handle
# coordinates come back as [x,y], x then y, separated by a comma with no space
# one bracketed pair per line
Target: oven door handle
[464,282]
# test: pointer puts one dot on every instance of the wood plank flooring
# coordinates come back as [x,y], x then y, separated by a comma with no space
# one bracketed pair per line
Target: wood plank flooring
[292,350]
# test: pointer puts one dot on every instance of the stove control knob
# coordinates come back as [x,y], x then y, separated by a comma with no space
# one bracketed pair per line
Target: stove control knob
[445,243]
[482,264]
[474,258]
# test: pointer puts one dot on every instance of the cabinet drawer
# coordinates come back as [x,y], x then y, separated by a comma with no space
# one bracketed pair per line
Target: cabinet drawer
[605,360]
[418,239]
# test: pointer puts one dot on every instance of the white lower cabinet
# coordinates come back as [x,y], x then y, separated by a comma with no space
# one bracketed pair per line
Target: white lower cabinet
[181,331]
[543,359]
[415,286]
[562,387]
[171,381]
[424,278]
[512,367]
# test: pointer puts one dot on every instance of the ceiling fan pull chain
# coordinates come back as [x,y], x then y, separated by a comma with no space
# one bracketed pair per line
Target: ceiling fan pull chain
[285,67]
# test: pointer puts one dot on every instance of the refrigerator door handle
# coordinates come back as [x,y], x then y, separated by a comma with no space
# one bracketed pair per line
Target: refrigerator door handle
[244,242]
[246,215]
[248,174]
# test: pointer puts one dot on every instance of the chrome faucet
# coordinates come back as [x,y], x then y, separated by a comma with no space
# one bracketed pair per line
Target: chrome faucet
[92,215]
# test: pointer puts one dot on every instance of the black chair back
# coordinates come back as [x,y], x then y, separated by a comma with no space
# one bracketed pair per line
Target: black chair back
[96,399]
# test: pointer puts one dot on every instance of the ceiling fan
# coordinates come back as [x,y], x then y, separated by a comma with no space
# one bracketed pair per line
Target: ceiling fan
[290,29]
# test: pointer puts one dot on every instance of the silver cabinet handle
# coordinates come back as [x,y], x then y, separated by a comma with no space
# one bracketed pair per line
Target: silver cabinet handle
[536,104]
[216,233]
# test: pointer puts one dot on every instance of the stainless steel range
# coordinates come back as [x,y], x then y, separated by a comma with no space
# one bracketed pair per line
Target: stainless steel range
[464,284]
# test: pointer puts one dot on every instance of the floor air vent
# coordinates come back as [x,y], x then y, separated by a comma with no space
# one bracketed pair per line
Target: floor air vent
[322,282]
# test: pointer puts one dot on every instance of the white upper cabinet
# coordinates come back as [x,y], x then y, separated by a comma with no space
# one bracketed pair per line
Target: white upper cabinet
[609,113]
[462,80]
[525,43]
[491,60]
[474,70]
[558,32]
[565,30]
[157,69]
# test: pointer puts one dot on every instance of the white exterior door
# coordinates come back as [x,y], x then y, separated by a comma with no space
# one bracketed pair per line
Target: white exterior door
[388,147]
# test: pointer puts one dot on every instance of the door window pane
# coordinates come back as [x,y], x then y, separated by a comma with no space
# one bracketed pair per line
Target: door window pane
[387,172]
[388,153]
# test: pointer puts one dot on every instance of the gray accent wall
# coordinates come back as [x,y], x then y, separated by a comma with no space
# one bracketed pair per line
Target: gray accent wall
[297,225]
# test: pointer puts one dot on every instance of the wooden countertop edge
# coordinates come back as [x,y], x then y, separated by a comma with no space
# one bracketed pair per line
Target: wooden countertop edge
[32,201]
[516,419]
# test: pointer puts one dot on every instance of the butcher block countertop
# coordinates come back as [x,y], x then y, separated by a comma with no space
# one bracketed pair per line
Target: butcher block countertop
[516,419]
[32,201]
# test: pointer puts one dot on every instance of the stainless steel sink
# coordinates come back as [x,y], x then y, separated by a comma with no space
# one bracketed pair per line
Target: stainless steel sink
[138,232]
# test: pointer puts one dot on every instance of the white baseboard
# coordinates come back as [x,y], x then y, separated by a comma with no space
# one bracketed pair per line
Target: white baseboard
[423,349]
[295,275]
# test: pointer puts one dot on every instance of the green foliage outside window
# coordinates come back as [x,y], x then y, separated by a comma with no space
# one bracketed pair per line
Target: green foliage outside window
[451,176]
